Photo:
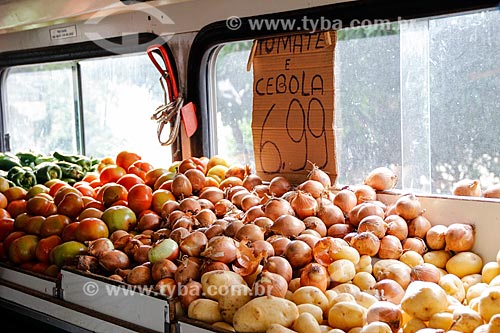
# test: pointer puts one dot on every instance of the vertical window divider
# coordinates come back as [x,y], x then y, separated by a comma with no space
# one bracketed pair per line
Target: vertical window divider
[78,107]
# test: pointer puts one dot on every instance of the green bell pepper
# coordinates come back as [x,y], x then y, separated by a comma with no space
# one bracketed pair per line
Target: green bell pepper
[85,163]
[22,176]
[27,158]
[8,161]
[47,171]
[42,159]
[70,170]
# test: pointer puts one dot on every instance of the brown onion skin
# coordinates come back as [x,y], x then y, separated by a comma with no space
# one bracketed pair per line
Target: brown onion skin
[346,200]
[390,248]
[459,237]
[250,181]
[396,226]
[253,213]
[188,269]
[279,265]
[312,187]
[366,243]
[265,223]
[196,178]
[425,272]
[233,228]
[141,254]
[288,226]
[279,244]
[100,245]
[418,227]
[189,205]
[340,230]
[167,287]
[250,232]
[298,253]
[181,186]
[209,265]
[163,269]
[116,277]
[189,292]
[214,230]
[113,260]
[388,290]
[139,275]
[212,194]
[363,210]
[279,185]
[270,284]
[149,222]
[309,239]
[260,246]
[435,237]
[385,312]
[315,223]
[408,207]
[221,248]
[193,244]
[330,214]
[374,224]
[415,244]
[177,235]
[276,207]
[206,204]
[316,275]
[117,234]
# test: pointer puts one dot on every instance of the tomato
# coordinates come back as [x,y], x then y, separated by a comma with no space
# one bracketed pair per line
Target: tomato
[16,207]
[149,221]
[40,267]
[68,233]
[22,249]
[54,225]
[107,161]
[45,245]
[111,174]
[190,163]
[163,178]
[21,220]
[166,185]
[40,205]
[140,168]
[126,159]
[63,191]
[3,201]
[90,176]
[71,205]
[153,175]
[140,197]
[37,189]
[159,198]
[94,204]
[55,186]
[91,228]
[129,180]
[15,193]
[95,183]
[34,225]
[119,218]
[6,227]
[120,203]
[90,212]
[4,213]
[3,254]
[112,193]
[85,189]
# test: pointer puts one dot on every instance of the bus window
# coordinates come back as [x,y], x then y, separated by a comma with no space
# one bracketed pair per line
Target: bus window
[420,97]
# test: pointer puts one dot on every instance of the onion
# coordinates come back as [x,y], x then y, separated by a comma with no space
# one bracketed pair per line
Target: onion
[184,222]
[253,213]
[250,232]
[261,190]
[313,187]
[214,230]
[309,239]
[340,230]
[298,253]
[425,272]
[223,207]
[139,275]
[163,269]
[303,204]
[349,236]
[364,193]
[279,265]
[232,228]
[178,234]
[408,207]
[212,194]
[493,191]
[396,226]
[385,312]
[88,264]
[366,243]
[238,171]
[279,185]
[189,292]
[467,187]
[196,178]
[159,234]
[418,227]
[262,246]
[314,275]
[122,272]
[230,182]
[117,234]
[221,248]
[320,176]
[249,201]
[189,269]
[206,204]
[363,210]
[330,214]
[388,290]
[141,254]
[381,179]
[209,265]
[459,237]
[149,221]
[251,181]
[174,216]
[390,248]
[435,237]
[181,186]
[167,286]
[276,207]
[279,244]
[270,284]
[393,270]
[265,223]
[415,244]
[288,225]
[238,197]
[132,246]
[346,200]
[316,224]
[116,277]
[189,205]
[100,245]
[374,224]
[193,244]
[205,217]
[113,260]
[163,249]
[325,247]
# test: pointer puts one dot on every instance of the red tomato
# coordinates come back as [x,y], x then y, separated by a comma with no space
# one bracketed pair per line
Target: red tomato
[90,176]
[68,233]
[3,201]
[4,213]
[54,188]
[85,189]
[71,205]
[10,238]
[159,198]
[90,229]
[107,161]
[112,193]
[45,245]
[126,159]
[140,168]
[6,227]
[111,174]
[95,183]
[15,193]
[40,267]
[3,254]
[16,207]
[63,191]
[153,175]
[54,225]
[129,180]
[34,225]
[40,205]
[140,197]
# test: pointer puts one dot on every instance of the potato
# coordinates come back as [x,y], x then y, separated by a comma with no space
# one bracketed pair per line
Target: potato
[483,329]
[215,283]
[437,258]
[261,312]
[465,320]
[250,279]
[442,320]
[277,328]
[229,303]
[489,271]
[414,325]
[364,264]
[348,253]
[346,315]
[376,327]
[412,258]
[476,291]
[470,280]
[394,270]
[365,281]
[347,288]
[330,295]
[495,323]
[335,330]
[489,303]
[423,299]
[306,323]
[453,286]
[294,284]
[355,330]
[464,263]
[365,299]
[342,270]
[205,310]
[312,309]
[342,297]
[474,304]
[310,295]
[224,326]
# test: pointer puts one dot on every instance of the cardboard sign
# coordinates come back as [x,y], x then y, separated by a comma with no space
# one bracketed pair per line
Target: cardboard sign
[293,105]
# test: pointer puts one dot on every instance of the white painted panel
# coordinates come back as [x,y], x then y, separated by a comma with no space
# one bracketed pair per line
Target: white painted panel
[28,281]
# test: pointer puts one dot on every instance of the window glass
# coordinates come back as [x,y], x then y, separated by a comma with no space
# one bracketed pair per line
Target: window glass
[39,108]
[420,97]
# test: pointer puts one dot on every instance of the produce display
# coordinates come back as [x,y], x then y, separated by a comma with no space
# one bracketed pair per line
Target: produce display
[246,255]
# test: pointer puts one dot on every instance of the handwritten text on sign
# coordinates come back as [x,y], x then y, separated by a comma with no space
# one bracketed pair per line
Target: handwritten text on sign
[293,105]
